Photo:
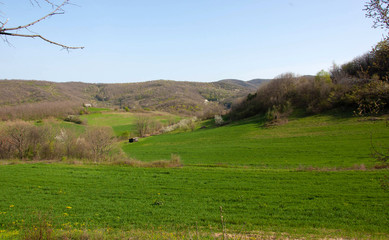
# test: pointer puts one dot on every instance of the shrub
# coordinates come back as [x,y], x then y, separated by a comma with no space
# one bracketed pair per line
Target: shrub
[184,124]
[381,60]
[370,98]
[314,95]
[142,126]
[6,148]
[124,135]
[21,136]
[284,93]
[99,142]
[23,140]
[219,120]
[73,119]
[371,65]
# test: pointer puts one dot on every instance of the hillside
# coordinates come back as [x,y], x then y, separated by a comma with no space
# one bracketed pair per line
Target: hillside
[319,141]
[308,179]
[162,95]
[15,92]
[254,83]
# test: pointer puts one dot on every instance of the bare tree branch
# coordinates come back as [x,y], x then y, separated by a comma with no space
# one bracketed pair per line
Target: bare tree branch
[57,10]
[378,10]
[44,39]
[381,155]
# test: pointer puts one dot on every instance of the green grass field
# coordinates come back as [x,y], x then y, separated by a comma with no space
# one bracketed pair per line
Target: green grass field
[95,197]
[124,121]
[322,141]
[304,179]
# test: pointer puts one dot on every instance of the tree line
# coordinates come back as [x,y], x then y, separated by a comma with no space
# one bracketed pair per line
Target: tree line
[27,141]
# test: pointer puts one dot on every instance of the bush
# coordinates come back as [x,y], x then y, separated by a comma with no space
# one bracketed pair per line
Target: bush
[6,148]
[184,124]
[219,120]
[371,65]
[23,140]
[370,98]
[73,119]
[124,135]
[284,93]
[314,95]
[99,142]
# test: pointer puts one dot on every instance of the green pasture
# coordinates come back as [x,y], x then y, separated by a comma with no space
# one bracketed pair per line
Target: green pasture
[123,121]
[344,203]
[321,141]
[97,110]
[305,179]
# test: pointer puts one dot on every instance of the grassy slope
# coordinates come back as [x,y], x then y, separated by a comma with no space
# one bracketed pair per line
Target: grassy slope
[318,141]
[341,203]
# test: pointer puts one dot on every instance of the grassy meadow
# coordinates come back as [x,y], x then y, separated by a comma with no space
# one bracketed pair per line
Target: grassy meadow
[122,122]
[320,141]
[313,177]
[348,203]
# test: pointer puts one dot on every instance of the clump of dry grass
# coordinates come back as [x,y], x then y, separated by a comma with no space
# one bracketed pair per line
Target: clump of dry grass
[174,162]
[355,167]
[41,228]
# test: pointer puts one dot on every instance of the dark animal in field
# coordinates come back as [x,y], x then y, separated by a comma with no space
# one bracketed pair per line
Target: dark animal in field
[131,140]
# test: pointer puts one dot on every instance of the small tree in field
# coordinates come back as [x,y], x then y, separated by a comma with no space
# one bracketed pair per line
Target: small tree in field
[6,147]
[219,120]
[22,135]
[142,125]
[100,141]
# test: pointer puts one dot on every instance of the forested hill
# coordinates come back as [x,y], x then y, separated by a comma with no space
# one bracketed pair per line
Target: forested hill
[163,95]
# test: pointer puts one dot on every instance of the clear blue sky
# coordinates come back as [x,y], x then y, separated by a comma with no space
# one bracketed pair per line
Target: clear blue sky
[185,40]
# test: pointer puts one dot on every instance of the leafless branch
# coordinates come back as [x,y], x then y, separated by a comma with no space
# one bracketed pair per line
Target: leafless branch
[39,36]
[378,10]
[4,38]
[3,24]
[380,156]
[57,10]
[54,12]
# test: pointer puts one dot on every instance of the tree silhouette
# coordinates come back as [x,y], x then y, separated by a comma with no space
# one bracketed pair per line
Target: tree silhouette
[16,31]
[379,11]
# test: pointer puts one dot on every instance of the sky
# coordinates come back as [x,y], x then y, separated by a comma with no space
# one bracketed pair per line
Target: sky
[184,40]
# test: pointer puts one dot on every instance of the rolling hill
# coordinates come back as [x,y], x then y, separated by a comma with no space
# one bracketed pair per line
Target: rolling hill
[162,95]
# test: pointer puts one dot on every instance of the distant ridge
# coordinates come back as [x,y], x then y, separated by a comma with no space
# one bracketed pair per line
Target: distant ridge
[161,95]
[258,81]
[254,83]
